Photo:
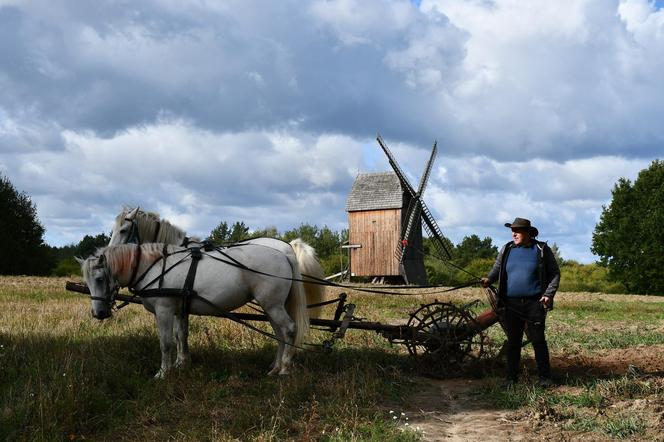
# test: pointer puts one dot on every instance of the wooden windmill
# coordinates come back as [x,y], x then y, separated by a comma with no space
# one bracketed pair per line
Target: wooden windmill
[386,216]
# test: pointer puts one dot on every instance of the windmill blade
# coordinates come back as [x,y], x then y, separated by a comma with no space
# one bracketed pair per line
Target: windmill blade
[429,223]
[434,232]
[427,171]
[395,166]
[415,209]
[401,246]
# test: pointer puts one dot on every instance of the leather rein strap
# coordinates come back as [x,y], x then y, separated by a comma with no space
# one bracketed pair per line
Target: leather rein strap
[187,292]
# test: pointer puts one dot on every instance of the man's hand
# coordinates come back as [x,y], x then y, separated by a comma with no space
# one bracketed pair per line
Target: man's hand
[547,302]
[484,282]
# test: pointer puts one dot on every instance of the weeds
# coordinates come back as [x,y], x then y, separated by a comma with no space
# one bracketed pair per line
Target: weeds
[594,406]
[623,426]
[66,376]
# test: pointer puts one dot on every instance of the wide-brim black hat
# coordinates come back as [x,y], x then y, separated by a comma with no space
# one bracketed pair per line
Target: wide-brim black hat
[523,223]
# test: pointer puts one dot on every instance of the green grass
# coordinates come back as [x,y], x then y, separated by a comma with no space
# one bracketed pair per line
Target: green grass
[588,408]
[599,310]
[65,376]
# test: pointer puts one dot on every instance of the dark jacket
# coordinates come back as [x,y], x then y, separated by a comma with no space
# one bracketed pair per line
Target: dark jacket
[548,269]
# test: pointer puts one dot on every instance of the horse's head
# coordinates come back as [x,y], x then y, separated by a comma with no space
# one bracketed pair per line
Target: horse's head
[125,229]
[103,287]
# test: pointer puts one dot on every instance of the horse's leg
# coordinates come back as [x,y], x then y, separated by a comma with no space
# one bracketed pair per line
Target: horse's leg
[275,367]
[165,318]
[181,339]
[284,329]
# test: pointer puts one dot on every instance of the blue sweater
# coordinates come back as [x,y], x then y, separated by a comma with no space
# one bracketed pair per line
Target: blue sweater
[522,272]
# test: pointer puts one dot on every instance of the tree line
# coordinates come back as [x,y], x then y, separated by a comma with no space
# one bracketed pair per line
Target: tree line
[627,240]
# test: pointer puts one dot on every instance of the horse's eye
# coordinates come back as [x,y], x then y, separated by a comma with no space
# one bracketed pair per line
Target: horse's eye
[99,279]
[124,230]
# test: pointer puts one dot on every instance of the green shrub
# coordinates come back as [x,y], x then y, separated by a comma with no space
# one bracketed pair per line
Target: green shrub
[67,267]
[576,277]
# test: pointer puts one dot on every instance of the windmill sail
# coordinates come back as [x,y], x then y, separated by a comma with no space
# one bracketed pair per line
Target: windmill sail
[416,204]
[418,208]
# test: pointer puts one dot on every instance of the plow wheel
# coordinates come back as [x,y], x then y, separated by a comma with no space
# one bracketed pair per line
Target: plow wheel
[444,335]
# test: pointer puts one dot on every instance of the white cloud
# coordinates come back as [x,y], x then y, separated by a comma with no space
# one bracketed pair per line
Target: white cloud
[193,177]
[264,111]
[564,200]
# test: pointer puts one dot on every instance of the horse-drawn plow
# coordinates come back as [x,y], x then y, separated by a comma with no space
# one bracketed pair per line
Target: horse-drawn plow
[437,335]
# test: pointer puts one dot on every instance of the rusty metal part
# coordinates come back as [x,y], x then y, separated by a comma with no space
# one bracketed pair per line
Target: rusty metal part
[443,334]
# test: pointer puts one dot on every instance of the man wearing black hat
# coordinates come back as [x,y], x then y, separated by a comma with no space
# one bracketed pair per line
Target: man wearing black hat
[528,277]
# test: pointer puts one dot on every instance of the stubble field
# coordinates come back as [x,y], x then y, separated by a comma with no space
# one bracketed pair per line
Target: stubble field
[66,376]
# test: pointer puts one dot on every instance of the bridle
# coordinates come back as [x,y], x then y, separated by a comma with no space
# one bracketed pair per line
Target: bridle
[134,237]
[110,285]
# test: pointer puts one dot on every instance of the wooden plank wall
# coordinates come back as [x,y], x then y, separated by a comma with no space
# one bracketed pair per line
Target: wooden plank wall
[378,233]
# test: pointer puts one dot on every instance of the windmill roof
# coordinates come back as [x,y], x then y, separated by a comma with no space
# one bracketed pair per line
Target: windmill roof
[375,191]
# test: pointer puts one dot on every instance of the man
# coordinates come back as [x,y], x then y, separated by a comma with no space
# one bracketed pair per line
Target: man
[528,277]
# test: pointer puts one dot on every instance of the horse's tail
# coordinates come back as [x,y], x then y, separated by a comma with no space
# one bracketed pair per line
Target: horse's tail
[310,266]
[296,305]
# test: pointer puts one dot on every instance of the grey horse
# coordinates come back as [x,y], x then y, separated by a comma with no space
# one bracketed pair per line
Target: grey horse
[139,227]
[220,285]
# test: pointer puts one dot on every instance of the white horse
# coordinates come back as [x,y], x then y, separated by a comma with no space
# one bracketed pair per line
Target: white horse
[220,286]
[139,227]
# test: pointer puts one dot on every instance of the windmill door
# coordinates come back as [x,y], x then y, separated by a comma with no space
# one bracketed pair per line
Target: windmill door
[377,232]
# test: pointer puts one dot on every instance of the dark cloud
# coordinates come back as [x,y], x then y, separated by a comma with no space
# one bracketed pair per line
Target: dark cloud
[265,111]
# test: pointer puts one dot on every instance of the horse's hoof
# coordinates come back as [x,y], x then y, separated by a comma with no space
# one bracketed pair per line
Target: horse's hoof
[161,374]
[182,364]
[275,370]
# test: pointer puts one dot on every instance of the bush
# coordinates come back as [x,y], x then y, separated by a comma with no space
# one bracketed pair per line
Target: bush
[575,277]
[334,263]
[452,273]
[67,267]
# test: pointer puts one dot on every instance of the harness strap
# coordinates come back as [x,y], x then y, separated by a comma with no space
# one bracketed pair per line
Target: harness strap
[164,253]
[161,275]
[188,290]
[319,281]
[235,318]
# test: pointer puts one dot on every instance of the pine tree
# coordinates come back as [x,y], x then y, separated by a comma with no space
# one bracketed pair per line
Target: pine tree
[22,248]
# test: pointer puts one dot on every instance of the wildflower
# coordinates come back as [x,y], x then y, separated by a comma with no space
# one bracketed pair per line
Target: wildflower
[403,414]
[391,411]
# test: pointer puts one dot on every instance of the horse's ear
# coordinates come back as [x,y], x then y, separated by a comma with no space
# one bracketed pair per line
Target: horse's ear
[79,260]
[132,214]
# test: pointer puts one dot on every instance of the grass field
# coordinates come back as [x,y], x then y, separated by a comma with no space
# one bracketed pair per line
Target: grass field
[66,376]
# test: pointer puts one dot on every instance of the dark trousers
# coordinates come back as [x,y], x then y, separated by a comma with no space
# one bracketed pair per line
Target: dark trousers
[518,313]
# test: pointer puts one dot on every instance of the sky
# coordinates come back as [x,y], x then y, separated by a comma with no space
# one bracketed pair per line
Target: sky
[265,112]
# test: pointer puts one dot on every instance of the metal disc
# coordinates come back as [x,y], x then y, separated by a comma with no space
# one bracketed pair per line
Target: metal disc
[444,335]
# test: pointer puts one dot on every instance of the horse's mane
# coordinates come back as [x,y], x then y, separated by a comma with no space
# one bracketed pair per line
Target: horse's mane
[119,259]
[147,226]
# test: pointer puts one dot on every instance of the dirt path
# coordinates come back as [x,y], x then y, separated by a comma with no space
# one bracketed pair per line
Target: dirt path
[450,410]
